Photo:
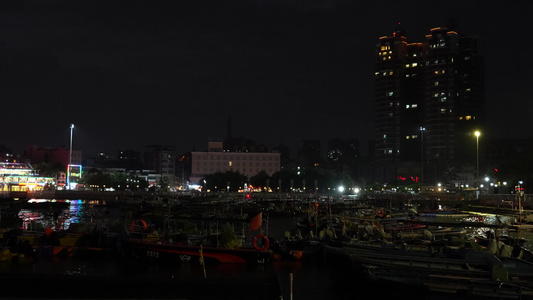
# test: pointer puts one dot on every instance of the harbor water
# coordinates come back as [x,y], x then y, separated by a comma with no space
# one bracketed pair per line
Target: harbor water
[113,277]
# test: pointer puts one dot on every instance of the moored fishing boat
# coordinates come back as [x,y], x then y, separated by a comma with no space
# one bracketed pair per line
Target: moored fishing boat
[192,239]
[458,270]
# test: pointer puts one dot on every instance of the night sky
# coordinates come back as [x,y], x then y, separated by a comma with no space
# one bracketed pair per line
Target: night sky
[135,73]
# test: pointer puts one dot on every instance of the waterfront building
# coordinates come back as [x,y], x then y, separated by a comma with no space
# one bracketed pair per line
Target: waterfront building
[217,159]
[429,101]
[21,177]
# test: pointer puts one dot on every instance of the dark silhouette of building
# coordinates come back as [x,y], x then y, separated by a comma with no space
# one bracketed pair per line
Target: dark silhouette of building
[309,154]
[40,154]
[129,159]
[161,159]
[343,152]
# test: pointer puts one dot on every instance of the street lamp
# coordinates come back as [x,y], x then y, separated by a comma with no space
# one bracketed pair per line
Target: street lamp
[477,133]
[422,129]
[70,155]
[520,200]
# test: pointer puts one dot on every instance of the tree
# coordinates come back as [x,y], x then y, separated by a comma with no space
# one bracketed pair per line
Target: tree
[119,180]
[260,179]
[98,181]
[49,169]
[164,184]
[285,177]
[221,180]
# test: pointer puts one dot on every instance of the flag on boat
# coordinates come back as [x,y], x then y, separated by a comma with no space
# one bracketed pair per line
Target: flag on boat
[256,221]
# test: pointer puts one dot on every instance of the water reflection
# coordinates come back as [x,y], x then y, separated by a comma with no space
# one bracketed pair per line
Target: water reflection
[311,281]
[61,214]
[488,219]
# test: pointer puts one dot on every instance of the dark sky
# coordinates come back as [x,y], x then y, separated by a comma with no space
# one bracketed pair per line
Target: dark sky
[135,73]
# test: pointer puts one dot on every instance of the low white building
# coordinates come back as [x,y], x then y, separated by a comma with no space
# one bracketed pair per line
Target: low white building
[218,160]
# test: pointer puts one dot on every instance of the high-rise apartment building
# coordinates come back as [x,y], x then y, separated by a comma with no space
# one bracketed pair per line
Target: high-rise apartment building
[429,100]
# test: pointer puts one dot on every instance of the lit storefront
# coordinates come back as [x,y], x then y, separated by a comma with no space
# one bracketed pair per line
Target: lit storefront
[21,177]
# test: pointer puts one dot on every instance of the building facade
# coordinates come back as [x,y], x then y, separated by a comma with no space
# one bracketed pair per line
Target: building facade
[217,160]
[162,159]
[39,154]
[21,177]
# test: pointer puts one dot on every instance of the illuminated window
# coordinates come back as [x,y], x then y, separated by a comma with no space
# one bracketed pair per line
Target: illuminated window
[230,163]
[391,72]
[414,105]
[436,83]
[468,118]
[407,65]
[407,106]
[415,64]
[436,72]
[443,110]
[390,93]
[407,137]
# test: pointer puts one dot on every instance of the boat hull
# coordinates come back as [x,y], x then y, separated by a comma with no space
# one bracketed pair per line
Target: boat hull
[182,253]
[468,272]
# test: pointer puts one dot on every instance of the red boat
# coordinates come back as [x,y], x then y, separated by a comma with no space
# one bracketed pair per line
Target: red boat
[208,240]
[181,252]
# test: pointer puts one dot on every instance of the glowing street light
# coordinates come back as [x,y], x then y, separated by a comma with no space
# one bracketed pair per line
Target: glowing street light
[422,129]
[70,155]
[477,133]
